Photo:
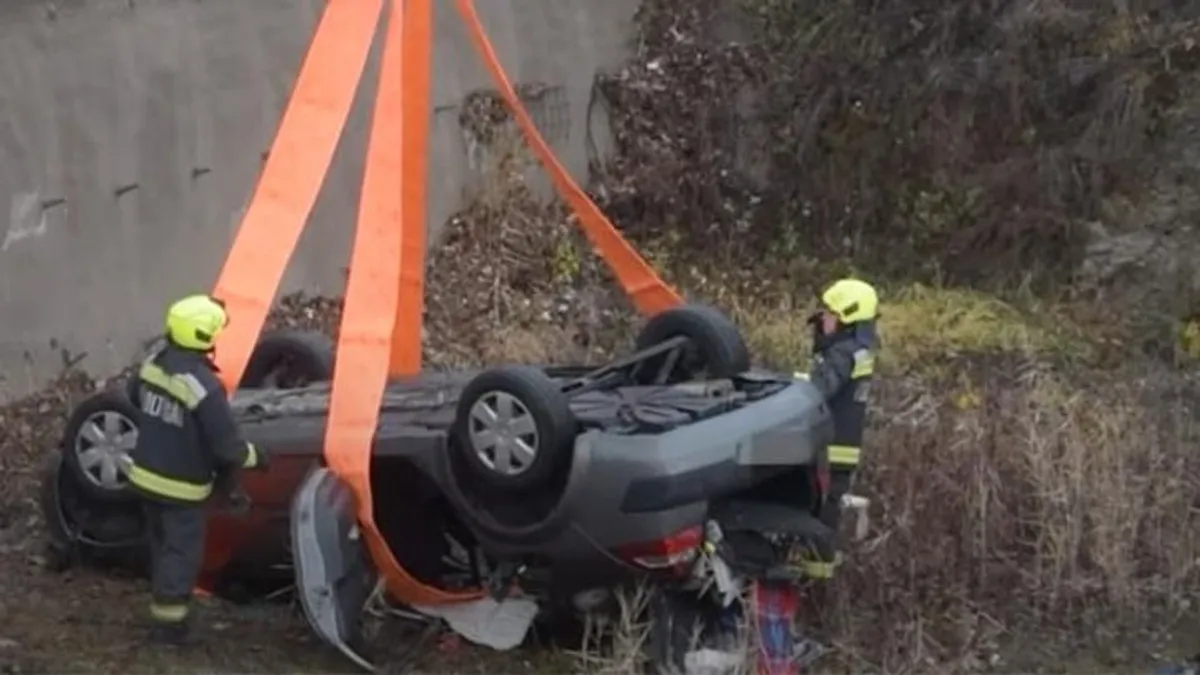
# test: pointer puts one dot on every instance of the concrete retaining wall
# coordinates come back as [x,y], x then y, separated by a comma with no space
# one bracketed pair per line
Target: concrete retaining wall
[132,132]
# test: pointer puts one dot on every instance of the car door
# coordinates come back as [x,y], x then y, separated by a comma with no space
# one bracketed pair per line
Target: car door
[334,576]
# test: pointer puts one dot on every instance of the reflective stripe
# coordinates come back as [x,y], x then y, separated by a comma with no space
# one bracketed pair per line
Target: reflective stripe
[184,388]
[844,455]
[169,613]
[864,364]
[168,487]
[251,456]
[816,569]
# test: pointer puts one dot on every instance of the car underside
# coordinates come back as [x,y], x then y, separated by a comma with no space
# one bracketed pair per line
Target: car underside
[560,481]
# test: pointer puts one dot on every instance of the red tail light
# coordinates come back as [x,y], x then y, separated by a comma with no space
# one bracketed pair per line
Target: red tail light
[670,553]
[823,479]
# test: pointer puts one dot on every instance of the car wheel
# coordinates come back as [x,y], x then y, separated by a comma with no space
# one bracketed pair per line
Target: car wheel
[289,359]
[716,347]
[96,446]
[513,428]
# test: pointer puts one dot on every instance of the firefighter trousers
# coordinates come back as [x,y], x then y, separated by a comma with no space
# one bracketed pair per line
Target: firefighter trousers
[176,534]
[821,560]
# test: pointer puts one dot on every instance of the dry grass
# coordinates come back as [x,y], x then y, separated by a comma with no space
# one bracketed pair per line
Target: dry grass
[922,327]
[1035,504]
[1013,490]
[616,644]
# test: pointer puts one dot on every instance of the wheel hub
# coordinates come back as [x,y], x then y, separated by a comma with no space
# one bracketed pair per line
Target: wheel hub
[503,433]
[103,446]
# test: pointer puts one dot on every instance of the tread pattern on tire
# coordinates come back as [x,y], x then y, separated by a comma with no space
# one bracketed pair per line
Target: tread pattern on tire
[312,351]
[715,335]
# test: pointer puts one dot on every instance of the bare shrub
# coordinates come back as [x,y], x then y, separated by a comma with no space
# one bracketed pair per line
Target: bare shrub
[925,139]
[1031,502]
[512,267]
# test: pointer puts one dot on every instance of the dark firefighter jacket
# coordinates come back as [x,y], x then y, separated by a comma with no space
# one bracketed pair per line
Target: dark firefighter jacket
[842,371]
[188,435]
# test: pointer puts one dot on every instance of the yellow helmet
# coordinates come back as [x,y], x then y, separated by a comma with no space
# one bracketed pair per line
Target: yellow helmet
[851,300]
[195,322]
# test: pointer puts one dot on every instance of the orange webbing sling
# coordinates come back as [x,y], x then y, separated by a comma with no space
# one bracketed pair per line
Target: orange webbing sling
[308,134]
[373,295]
[417,69]
[649,293]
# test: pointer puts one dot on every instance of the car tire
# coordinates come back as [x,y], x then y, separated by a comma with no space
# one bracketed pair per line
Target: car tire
[717,344]
[82,530]
[96,443]
[289,359]
[59,551]
[540,421]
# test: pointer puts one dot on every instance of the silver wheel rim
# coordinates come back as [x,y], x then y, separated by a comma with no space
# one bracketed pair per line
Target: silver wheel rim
[503,433]
[103,445]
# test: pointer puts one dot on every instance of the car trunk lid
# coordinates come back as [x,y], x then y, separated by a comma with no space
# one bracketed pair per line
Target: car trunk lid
[334,575]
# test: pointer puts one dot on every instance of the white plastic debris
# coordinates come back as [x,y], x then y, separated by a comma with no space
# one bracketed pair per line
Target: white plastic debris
[859,506]
[713,662]
[500,625]
[727,586]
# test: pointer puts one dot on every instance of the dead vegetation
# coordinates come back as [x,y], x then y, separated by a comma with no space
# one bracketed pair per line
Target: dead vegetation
[928,140]
[1013,498]
[510,269]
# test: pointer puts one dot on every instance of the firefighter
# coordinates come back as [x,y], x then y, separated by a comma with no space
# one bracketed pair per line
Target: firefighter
[188,441]
[844,345]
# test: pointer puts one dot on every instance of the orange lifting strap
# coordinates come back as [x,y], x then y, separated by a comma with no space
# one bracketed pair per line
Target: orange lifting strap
[649,293]
[380,335]
[304,144]
[308,134]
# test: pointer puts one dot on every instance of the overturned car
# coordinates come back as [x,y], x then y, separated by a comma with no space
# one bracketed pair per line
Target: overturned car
[557,483]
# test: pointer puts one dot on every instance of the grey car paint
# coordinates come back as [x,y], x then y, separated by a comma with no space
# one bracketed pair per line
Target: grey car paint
[334,578]
[788,428]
